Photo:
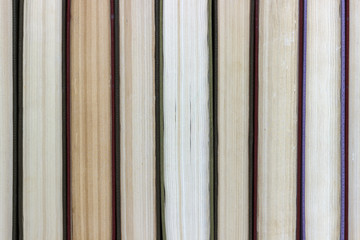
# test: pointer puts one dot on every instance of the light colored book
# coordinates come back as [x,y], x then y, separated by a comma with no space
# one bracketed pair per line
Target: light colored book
[42,120]
[91,159]
[354,121]
[137,119]
[6,119]
[322,127]
[233,118]
[277,119]
[186,108]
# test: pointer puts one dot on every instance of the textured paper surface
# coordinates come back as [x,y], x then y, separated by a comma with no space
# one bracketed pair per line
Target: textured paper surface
[91,160]
[278,119]
[354,121]
[233,119]
[322,142]
[186,119]
[6,119]
[137,119]
[42,120]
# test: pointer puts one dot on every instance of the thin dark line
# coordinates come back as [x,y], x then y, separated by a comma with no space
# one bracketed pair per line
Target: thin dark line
[64,109]
[215,110]
[15,12]
[347,47]
[68,121]
[113,120]
[160,116]
[158,149]
[303,123]
[211,36]
[116,52]
[20,121]
[300,122]
[343,47]
[255,161]
[251,115]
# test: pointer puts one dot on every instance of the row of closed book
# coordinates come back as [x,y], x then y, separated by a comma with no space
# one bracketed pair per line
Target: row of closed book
[163,119]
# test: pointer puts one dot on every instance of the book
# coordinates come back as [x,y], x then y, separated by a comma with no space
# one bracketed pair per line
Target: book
[42,158]
[6,120]
[233,119]
[322,127]
[277,119]
[187,103]
[179,119]
[354,122]
[137,120]
[90,120]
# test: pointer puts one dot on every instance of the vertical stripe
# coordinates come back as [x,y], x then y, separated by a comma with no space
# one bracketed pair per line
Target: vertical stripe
[186,119]
[68,124]
[347,46]
[278,119]
[323,120]
[342,215]
[42,129]
[6,119]
[233,119]
[300,121]
[137,121]
[303,125]
[91,117]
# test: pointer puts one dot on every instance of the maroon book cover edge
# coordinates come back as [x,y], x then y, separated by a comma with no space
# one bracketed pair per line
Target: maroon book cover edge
[113,122]
[68,136]
[256,46]
[300,123]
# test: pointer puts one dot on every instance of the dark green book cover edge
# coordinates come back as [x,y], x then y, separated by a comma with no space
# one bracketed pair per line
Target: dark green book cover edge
[15,31]
[212,76]
[159,123]
[18,6]
[159,68]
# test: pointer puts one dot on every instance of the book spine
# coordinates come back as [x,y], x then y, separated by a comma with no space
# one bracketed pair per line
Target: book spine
[278,119]
[323,120]
[186,93]
[91,118]
[6,119]
[233,119]
[42,116]
[137,119]
[353,83]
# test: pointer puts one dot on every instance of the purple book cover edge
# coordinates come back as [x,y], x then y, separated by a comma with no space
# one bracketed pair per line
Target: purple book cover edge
[342,224]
